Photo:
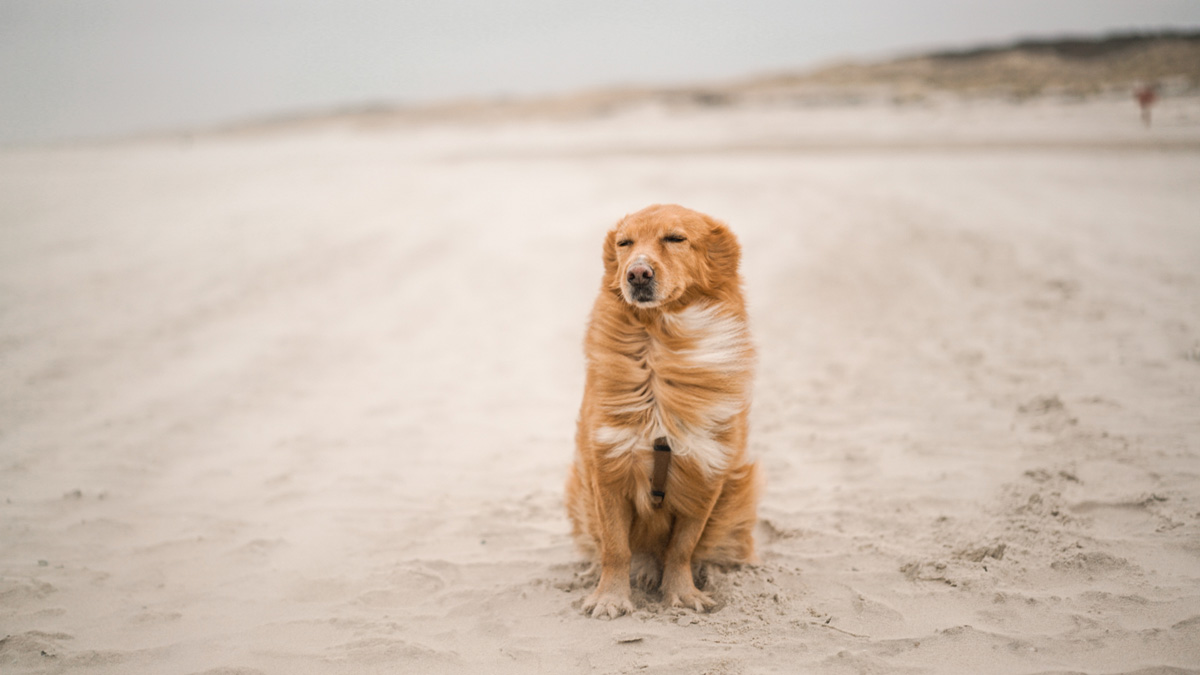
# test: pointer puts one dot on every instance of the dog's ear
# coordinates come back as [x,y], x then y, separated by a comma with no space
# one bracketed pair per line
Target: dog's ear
[610,255]
[722,252]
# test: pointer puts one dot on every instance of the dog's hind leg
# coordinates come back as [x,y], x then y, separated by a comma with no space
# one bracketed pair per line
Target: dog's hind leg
[646,571]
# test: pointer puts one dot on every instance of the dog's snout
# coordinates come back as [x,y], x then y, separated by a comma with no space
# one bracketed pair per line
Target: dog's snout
[640,274]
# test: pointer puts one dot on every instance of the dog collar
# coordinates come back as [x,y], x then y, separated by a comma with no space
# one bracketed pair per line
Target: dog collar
[662,461]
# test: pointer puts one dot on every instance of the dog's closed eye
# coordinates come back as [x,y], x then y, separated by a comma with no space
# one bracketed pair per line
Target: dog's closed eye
[625,242]
[675,238]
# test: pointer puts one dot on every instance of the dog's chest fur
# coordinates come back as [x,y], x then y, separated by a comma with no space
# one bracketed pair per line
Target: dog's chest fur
[683,377]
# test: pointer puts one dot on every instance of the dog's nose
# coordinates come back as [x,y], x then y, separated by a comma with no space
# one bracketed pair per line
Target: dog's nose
[640,274]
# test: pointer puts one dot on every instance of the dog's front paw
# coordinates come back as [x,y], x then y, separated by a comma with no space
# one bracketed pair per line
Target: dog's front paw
[607,605]
[691,598]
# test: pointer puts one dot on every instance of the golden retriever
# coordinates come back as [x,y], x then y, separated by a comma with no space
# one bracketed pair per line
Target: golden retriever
[661,484]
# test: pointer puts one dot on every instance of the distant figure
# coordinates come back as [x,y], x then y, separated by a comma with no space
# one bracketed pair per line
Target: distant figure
[1146,96]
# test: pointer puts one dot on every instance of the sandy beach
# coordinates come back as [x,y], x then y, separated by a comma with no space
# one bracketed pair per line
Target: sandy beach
[302,400]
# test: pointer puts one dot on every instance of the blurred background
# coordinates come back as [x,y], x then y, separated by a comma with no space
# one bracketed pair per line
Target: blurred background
[107,68]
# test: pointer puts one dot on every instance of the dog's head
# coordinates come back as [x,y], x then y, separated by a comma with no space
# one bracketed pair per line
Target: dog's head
[659,254]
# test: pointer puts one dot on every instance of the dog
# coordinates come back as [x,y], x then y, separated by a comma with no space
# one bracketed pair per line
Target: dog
[661,485]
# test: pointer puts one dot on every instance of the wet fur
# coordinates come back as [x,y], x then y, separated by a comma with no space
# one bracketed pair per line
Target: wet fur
[679,367]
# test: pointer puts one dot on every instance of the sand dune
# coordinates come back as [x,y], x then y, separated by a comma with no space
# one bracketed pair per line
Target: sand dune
[303,401]
[1073,70]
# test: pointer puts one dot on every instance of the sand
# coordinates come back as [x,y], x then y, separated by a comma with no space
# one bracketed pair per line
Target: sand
[303,401]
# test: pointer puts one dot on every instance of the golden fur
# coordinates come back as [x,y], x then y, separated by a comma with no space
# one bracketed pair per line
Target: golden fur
[671,359]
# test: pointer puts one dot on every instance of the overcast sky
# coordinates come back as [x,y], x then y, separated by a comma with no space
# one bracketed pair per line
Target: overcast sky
[103,67]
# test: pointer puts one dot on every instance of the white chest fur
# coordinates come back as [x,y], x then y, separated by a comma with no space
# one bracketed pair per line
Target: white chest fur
[721,342]
[718,350]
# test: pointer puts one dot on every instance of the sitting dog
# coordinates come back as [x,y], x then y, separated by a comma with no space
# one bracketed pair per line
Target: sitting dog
[661,483]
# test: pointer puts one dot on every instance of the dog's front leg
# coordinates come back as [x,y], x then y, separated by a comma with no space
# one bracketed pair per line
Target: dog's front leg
[678,588]
[614,515]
